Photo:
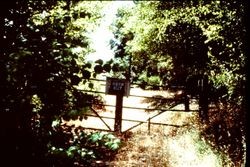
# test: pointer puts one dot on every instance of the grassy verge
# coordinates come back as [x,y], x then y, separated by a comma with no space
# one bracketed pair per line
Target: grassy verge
[170,147]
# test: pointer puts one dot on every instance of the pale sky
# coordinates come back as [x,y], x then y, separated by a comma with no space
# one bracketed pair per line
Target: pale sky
[102,35]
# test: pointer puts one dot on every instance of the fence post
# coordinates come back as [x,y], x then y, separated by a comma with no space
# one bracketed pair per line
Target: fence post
[203,98]
[186,97]
[149,120]
[186,100]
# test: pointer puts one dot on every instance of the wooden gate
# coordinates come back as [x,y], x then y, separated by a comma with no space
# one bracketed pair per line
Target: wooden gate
[184,99]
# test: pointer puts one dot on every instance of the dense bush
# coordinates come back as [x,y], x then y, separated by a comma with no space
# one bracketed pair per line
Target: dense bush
[74,146]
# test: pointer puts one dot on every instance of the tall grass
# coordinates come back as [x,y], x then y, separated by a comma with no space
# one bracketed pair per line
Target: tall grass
[168,146]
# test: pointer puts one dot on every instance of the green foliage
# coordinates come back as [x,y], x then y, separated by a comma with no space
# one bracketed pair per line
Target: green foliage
[182,40]
[108,140]
[195,36]
[85,148]
[42,63]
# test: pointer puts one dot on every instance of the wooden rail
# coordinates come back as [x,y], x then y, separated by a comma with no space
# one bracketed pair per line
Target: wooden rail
[148,121]
[181,100]
[131,120]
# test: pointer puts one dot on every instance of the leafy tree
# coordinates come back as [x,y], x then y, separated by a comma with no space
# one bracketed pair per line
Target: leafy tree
[43,50]
[172,42]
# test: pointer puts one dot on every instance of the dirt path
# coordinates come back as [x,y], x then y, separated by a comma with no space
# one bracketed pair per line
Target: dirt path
[165,146]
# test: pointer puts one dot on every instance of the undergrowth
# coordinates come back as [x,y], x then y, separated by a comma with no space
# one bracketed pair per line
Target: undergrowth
[167,146]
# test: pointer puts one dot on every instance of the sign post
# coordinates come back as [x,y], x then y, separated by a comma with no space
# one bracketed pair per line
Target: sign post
[120,88]
[118,114]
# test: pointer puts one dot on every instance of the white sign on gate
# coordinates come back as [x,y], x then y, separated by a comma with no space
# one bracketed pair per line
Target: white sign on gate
[115,86]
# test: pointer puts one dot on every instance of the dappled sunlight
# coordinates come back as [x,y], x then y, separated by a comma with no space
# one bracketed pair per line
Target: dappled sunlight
[176,144]
[134,108]
[190,151]
[123,83]
[168,147]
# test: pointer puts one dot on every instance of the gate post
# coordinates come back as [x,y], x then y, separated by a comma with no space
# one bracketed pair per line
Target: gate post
[118,114]
[120,88]
[186,100]
[186,97]
[203,98]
